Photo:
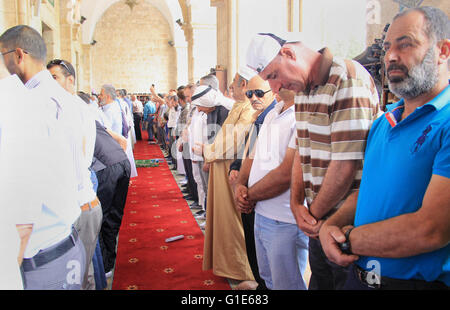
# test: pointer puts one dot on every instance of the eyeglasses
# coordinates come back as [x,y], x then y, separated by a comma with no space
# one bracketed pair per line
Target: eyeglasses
[5,53]
[12,51]
[258,93]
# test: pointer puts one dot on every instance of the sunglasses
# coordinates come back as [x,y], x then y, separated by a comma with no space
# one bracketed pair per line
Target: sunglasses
[60,62]
[258,93]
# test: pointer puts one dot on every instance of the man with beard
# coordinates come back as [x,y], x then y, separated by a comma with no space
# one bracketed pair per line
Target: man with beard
[396,228]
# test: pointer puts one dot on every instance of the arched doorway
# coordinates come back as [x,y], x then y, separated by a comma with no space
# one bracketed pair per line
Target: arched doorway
[134,49]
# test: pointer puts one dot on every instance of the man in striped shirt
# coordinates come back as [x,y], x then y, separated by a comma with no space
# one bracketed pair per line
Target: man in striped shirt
[335,106]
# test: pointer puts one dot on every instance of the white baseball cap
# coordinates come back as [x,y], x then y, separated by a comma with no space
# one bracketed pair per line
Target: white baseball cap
[246,72]
[265,46]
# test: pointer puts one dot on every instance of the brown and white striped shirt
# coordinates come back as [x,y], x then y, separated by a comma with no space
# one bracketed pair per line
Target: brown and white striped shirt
[333,121]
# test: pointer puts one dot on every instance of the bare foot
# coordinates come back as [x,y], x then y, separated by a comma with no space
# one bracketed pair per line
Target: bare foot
[246,286]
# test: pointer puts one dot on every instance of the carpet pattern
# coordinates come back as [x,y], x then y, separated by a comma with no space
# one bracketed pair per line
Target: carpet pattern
[155,210]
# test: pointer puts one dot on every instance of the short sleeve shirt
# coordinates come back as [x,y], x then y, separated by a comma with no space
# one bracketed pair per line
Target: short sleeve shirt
[414,150]
[333,120]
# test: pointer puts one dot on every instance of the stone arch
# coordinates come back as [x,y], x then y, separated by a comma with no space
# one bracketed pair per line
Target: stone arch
[93,11]
[133,50]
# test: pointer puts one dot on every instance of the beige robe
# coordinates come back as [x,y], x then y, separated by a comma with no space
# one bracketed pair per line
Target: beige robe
[224,248]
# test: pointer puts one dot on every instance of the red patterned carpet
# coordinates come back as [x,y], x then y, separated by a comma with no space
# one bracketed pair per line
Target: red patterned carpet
[156,210]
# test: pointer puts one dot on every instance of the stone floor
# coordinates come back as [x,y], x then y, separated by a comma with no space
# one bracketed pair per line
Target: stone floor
[180,179]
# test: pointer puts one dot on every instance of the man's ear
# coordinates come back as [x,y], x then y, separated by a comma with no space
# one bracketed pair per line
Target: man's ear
[20,55]
[243,83]
[288,52]
[71,79]
[444,51]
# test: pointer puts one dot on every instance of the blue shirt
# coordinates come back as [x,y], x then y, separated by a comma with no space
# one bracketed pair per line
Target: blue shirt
[399,163]
[149,108]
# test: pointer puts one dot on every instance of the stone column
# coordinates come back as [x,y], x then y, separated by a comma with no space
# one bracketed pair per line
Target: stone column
[86,63]
[227,38]
[65,33]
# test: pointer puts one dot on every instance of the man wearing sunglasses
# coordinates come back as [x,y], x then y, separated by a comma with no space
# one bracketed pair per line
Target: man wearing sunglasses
[336,104]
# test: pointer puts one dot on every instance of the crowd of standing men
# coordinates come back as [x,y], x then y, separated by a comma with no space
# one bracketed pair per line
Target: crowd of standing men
[298,165]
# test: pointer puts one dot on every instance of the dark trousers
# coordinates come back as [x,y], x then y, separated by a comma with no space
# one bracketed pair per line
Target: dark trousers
[355,282]
[112,192]
[137,125]
[248,222]
[325,275]
[150,129]
[191,184]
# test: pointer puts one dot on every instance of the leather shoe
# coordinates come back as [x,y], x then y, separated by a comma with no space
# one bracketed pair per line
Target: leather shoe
[194,205]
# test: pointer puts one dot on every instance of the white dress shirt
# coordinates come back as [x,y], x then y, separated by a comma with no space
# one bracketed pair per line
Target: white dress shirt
[137,107]
[37,179]
[79,128]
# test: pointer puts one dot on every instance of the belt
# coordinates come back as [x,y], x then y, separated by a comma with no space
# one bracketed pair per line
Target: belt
[376,281]
[90,205]
[46,256]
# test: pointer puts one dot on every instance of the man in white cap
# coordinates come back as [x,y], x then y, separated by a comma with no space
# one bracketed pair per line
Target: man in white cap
[225,248]
[336,104]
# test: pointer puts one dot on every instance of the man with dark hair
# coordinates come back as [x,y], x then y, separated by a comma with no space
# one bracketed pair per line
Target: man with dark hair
[54,244]
[395,229]
[64,73]
[89,223]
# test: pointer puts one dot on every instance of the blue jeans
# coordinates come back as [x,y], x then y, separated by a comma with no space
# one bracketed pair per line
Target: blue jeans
[282,252]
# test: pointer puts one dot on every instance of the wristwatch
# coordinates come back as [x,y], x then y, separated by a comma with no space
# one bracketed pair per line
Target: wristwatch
[345,246]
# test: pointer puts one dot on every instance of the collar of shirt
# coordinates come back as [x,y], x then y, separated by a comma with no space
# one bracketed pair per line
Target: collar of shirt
[324,67]
[261,116]
[442,99]
[38,78]
[438,102]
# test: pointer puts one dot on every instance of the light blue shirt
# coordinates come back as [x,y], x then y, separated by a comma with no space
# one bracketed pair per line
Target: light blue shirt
[114,115]
[398,165]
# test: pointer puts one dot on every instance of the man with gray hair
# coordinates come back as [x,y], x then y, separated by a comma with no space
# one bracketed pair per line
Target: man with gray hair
[394,231]
[210,80]
[108,104]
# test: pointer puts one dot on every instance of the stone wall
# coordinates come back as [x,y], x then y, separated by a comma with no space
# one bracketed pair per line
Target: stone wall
[381,12]
[133,50]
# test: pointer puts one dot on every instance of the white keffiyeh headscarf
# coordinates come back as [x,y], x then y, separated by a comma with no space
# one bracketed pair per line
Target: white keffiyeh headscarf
[206,96]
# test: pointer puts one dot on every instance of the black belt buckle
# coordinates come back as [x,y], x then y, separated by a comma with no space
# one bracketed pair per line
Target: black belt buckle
[369,278]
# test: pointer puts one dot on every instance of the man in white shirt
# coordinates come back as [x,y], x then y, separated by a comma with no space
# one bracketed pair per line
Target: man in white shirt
[110,107]
[89,223]
[281,247]
[53,254]
[197,133]
[138,111]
